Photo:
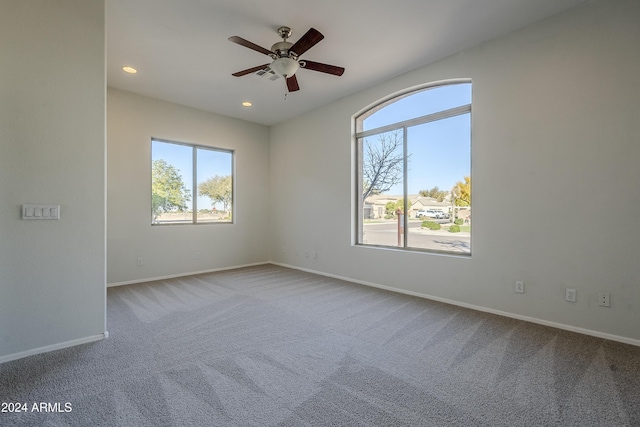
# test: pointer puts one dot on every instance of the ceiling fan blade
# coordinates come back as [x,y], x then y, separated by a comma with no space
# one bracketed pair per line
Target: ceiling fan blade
[292,83]
[250,70]
[247,43]
[323,68]
[306,42]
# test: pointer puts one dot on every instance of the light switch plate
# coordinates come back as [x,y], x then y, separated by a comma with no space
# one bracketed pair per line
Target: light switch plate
[40,211]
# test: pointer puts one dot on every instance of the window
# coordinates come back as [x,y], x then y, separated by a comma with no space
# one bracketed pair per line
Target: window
[179,171]
[414,171]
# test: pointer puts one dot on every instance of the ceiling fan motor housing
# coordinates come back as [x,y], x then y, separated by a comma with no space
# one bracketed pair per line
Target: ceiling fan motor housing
[282,49]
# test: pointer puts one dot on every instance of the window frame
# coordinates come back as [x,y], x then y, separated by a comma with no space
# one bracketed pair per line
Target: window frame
[358,140]
[194,179]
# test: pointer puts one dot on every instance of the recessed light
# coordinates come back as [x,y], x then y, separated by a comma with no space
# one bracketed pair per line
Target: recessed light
[129,70]
[246,104]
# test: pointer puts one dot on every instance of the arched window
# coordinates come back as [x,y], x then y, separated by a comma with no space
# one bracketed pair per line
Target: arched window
[414,170]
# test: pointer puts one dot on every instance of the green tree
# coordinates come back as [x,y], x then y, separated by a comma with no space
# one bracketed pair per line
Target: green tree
[390,208]
[435,193]
[168,192]
[219,189]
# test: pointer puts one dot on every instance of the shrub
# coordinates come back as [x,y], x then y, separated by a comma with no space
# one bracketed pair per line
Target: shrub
[431,225]
[458,221]
[454,229]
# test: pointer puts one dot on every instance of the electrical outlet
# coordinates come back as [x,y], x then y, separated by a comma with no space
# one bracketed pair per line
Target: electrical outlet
[519,286]
[197,255]
[139,262]
[603,299]
[570,295]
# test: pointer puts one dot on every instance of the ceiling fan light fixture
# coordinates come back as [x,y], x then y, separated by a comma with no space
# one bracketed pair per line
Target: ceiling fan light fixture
[285,67]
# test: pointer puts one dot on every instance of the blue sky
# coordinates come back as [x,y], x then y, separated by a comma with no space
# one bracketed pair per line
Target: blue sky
[440,150]
[210,163]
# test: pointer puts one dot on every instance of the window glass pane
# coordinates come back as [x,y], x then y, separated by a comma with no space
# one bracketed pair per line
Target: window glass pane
[428,175]
[439,156]
[180,196]
[382,161]
[171,181]
[418,104]
[215,186]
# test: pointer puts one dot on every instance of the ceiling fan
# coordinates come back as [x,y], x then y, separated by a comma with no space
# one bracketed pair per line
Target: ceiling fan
[286,57]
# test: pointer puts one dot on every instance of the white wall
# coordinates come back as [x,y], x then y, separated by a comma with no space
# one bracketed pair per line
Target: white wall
[171,250]
[52,151]
[555,123]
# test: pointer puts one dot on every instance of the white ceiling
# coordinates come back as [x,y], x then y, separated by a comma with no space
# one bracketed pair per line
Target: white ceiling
[182,54]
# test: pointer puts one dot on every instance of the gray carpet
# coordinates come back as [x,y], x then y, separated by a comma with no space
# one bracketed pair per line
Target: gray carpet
[270,346]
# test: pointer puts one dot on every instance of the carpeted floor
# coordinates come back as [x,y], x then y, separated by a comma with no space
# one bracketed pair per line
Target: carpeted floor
[270,346]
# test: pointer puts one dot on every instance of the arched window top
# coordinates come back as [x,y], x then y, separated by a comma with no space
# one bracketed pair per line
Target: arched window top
[425,101]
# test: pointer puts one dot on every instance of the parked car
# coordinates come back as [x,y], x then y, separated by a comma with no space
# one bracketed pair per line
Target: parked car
[430,213]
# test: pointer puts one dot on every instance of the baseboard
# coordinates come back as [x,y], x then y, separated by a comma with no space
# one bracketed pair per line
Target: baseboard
[53,347]
[583,331]
[173,276]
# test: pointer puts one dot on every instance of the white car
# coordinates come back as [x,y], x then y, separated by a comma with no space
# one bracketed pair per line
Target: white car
[430,213]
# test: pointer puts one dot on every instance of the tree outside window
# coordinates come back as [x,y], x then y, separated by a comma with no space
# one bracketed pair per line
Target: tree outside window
[179,171]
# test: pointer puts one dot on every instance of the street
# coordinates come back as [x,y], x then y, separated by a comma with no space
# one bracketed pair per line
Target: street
[386,234]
